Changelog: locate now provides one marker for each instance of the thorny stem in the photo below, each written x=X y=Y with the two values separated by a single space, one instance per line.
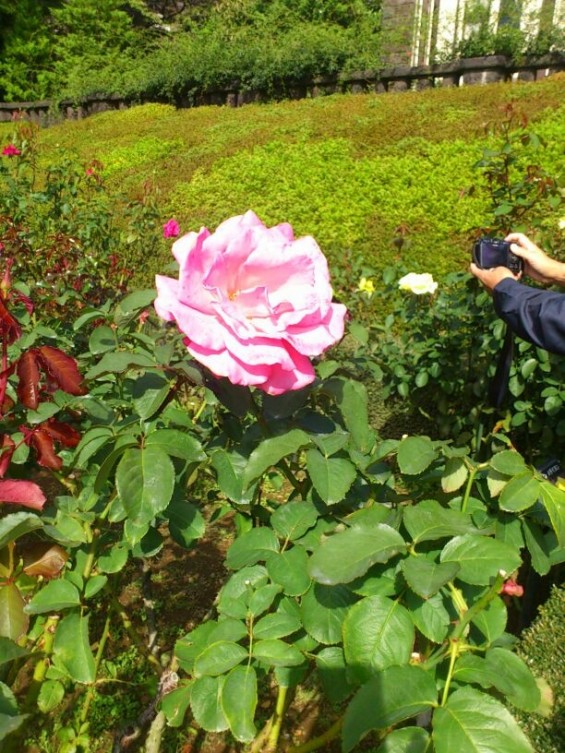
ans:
x=48 y=638
x=132 y=633
x=275 y=730
x=318 y=742
x=99 y=653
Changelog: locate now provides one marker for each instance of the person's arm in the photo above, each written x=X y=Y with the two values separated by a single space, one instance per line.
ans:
x=537 y=316
x=537 y=264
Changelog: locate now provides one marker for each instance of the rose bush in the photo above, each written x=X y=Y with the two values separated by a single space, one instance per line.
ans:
x=254 y=303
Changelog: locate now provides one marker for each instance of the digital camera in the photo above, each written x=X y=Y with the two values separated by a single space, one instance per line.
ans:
x=494 y=252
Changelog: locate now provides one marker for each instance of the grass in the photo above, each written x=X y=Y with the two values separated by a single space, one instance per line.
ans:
x=349 y=169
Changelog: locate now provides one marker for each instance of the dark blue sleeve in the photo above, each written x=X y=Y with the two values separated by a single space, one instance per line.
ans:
x=535 y=315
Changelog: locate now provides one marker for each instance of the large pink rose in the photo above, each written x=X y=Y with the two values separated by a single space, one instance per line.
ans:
x=254 y=303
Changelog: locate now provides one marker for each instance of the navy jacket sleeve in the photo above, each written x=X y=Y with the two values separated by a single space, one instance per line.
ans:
x=535 y=315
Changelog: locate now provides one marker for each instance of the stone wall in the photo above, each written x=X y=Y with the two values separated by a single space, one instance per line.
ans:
x=463 y=72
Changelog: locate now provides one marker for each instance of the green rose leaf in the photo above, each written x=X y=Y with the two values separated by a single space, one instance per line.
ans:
x=429 y=616
x=50 y=696
x=186 y=522
x=71 y=649
x=472 y=721
x=9 y=650
x=426 y=577
x=290 y=570
x=513 y=677
x=292 y=520
x=553 y=500
x=349 y=554
x=377 y=633
x=239 y=700
x=415 y=454
x=178 y=444
x=520 y=493
x=102 y=339
x=218 y=658
x=508 y=462
x=405 y=740
x=206 y=703
x=230 y=467
x=428 y=520
x=276 y=625
x=17 y=524
x=117 y=363
x=323 y=610
x=56 y=595
x=13 y=619
x=271 y=451
x=251 y=547
x=331 y=477
x=149 y=393
x=175 y=704
x=395 y=694
x=145 y=479
x=332 y=670
x=277 y=653
x=454 y=475
x=480 y=558
x=491 y=621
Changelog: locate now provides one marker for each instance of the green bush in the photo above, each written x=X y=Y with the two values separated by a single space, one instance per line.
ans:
x=541 y=647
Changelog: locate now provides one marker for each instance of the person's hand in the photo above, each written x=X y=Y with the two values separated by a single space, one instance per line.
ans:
x=537 y=264
x=491 y=277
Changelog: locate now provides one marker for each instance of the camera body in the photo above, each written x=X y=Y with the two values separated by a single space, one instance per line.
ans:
x=494 y=252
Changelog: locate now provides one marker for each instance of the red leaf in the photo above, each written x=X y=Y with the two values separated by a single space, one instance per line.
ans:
x=7 y=447
x=61 y=432
x=9 y=328
x=20 y=492
x=28 y=374
x=62 y=369
x=42 y=443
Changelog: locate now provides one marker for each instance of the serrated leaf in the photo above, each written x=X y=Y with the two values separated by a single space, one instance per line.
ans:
x=118 y=363
x=9 y=650
x=349 y=554
x=218 y=658
x=230 y=467
x=206 y=703
x=13 y=619
x=290 y=570
x=251 y=547
x=145 y=479
x=149 y=393
x=430 y=616
x=472 y=721
x=102 y=339
x=332 y=670
x=323 y=610
x=332 y=477
x=426 y=577
x=178 y=444
x=520 y=493
x=454 y=475
x=17 y=524
x=271 y=451
x=395 y=694
x=277 y=653
x=71 y=648
x=428 y=520
x=175 y=704
x=239 y=701
x=480 y=558
x=377 y=633
x=186 y=522
x=50 y=696
x=405 y=740
x=276 y=625
x=553 y=500
x=291 y=520
x=415 y=454
x=55 y=596
x=508 y=462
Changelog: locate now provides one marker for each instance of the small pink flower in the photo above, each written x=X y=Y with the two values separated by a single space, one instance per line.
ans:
x=511 y=588
x=11 y=150
x=171 y=229
x=254 y=303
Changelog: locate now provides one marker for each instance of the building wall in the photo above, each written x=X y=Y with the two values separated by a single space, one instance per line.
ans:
x=419 y=31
